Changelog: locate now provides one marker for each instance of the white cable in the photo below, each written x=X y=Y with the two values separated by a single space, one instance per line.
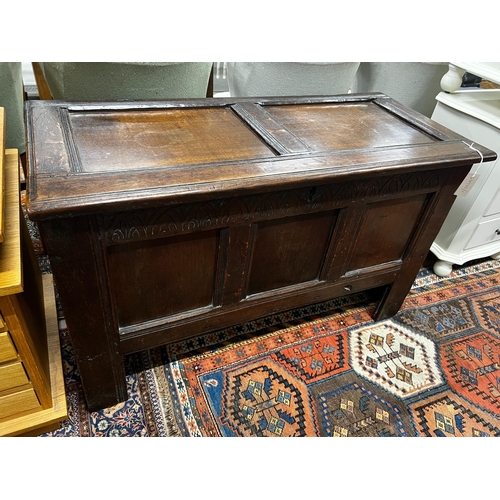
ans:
x=480 y=154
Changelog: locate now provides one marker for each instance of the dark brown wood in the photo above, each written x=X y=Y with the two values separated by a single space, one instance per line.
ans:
x=166 y=220
x=210 y=86
x=186 y=280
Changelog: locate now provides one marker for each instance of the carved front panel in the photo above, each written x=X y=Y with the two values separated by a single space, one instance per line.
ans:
x=289 y=251
x=386 y=231
x=169 y=262
x=158 y=278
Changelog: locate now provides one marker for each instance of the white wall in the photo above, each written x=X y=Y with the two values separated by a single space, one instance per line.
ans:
x=28 y=76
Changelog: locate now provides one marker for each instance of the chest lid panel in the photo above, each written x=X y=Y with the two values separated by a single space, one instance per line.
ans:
x=87 y=157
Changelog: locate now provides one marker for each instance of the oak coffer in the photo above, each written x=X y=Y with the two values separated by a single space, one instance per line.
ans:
x=165 y=220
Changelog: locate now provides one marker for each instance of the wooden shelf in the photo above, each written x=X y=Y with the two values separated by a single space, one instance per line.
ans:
x=44 y=420
x=11 y=279
x=33 y=401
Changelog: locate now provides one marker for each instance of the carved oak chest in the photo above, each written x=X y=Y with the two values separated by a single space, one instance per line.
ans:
x=165 y=220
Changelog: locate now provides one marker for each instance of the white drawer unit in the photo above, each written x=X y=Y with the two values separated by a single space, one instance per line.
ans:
x=486 y=232
x=472 y=228
x=494 y=207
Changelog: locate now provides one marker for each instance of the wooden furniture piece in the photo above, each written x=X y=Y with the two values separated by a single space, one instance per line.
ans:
x=32 y=396
x=166 y=220
x=472 y=228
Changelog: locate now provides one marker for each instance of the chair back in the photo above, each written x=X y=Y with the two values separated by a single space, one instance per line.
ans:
x=12 y=100
x=259 y=79
x=110 y=81
x=414 y=84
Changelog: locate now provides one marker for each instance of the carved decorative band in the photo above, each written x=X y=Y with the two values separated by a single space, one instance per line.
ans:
x=161 y=222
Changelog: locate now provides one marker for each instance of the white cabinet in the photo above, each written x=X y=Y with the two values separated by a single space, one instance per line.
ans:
x=472 y=228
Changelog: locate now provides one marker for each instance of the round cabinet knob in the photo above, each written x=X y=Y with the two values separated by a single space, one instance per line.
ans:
x=497 y=232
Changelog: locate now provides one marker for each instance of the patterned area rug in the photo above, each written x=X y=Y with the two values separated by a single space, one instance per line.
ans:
x=325 y=370
x=432 y=370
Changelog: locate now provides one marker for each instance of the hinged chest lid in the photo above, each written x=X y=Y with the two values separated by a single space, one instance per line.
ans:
x=94 y=157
